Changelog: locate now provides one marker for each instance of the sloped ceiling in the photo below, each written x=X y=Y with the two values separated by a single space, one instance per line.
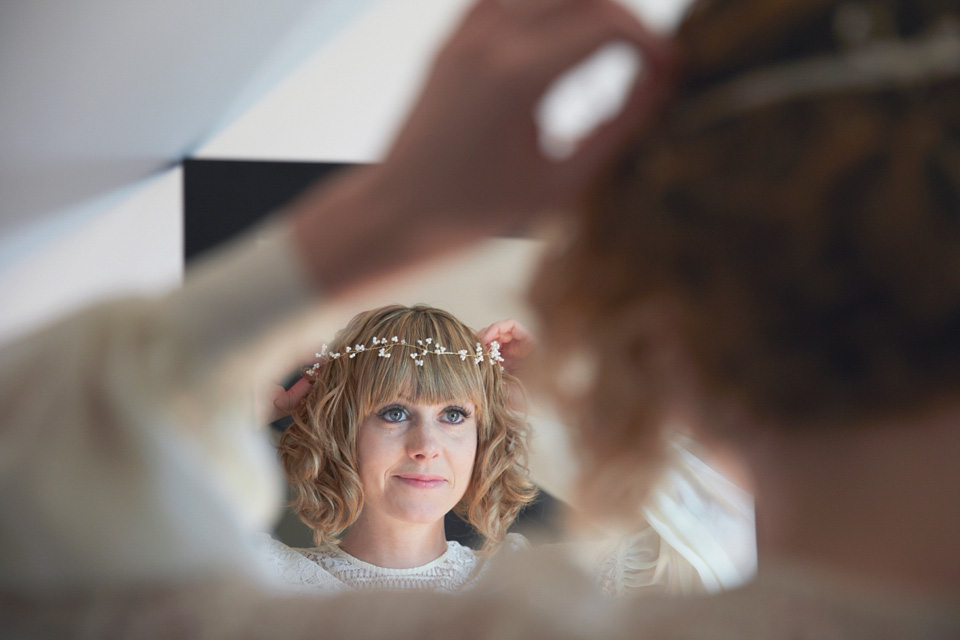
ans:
x=101 y=93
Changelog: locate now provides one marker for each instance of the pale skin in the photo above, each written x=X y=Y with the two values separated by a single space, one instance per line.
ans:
x=873 y=504
x=415 y=463
x=877 y=505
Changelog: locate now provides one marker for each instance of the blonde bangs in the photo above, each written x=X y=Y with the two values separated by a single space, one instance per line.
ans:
x=440 y=379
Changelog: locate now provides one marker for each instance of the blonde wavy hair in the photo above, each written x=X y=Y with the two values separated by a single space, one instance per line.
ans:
x=319 y=450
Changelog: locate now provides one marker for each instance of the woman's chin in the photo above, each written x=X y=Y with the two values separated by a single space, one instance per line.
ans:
x=420 y=513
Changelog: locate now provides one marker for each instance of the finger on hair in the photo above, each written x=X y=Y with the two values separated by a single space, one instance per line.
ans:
x=646 y=98
x=570 y=36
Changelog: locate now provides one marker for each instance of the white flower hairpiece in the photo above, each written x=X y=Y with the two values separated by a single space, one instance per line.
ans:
x=420 y=349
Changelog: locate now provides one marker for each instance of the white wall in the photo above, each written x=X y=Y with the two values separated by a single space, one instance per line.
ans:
x=131 y=244
x=345 y=102
x=342 y=103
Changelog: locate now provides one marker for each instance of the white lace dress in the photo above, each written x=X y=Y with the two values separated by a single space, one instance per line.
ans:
x=330 y=569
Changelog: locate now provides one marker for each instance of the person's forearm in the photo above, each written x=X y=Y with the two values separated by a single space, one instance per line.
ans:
x=104 y=478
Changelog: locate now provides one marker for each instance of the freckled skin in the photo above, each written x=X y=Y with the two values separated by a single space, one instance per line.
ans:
x=416 y=461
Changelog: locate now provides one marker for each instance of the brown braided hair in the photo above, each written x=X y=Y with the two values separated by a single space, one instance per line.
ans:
x=796 y=261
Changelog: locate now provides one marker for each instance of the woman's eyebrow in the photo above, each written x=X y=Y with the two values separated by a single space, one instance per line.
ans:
x=463 y=404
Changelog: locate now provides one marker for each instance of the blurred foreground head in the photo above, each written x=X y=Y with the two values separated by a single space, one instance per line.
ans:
x=782 y=252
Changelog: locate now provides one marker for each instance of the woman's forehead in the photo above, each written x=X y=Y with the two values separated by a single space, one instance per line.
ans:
x=412 y=390
x=419 y=394
x=466 y=403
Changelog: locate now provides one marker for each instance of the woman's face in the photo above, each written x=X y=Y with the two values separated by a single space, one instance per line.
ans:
x=416 y=460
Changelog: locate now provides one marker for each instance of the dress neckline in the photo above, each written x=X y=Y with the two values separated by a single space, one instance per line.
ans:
x=452 y=546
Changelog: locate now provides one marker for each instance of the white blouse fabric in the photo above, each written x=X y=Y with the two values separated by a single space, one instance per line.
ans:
x=330 y=569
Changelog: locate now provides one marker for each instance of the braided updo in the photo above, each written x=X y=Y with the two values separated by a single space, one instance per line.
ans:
x=798 y=236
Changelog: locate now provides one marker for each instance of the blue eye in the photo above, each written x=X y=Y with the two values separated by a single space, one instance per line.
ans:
x=393 y=414
x=454 y=415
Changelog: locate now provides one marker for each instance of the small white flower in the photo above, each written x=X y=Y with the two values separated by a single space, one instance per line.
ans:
x=353 y=355
x=404 y=341
x=429 y=340
x=376 y=340
x=413 y=355
x=348 y=348
x=420 y=363
x=419 y=341
x=395 y=339
x=359 y=347
x=382 y=353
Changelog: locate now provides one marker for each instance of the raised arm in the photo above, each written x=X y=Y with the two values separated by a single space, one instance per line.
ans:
x=120 y=454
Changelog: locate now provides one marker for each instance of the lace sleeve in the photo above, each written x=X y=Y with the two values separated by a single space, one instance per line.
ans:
x=291 y=570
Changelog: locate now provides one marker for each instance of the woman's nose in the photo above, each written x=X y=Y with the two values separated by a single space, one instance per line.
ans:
x=422 y=443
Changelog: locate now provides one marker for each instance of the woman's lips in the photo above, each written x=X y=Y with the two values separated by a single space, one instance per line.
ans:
x=421 y=481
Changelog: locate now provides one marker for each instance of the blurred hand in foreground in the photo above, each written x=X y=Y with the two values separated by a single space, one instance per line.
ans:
x=467 y=162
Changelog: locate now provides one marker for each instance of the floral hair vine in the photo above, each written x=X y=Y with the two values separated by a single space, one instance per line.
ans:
x=421 y=348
